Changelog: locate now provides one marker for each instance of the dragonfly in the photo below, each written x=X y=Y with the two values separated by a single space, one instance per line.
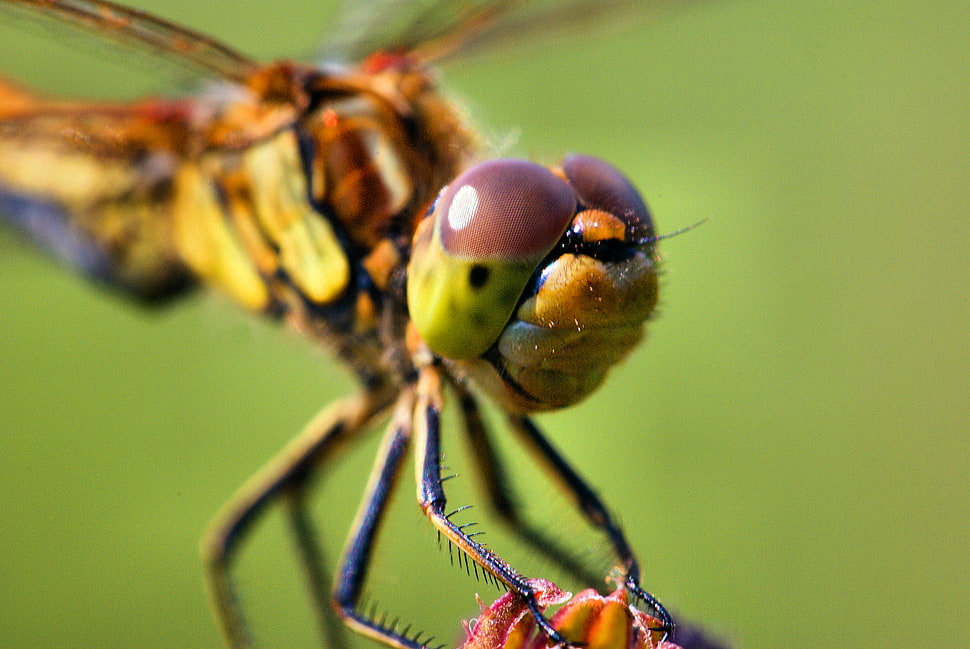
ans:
x=354 y=204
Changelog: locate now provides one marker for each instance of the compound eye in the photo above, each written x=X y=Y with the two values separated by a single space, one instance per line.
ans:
x=601 y=186
x=504 y=210
x=491 y=228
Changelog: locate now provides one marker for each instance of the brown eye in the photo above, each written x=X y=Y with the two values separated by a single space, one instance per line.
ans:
x=504 y=209
x=601 y=186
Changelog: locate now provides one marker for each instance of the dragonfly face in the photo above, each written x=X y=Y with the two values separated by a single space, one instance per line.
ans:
x=347 y=202
x=534 y=282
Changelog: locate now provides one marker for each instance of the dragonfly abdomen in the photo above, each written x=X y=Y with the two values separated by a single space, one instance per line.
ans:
x=102 y=213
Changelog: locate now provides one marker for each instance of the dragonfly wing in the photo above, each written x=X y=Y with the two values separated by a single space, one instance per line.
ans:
x=133 y=31
x=436 y=29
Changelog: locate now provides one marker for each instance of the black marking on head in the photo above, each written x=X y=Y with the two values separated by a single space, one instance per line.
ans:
x=605 y=250
x=478 y=276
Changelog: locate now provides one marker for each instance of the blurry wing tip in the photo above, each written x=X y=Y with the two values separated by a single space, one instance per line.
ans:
x=134 y=30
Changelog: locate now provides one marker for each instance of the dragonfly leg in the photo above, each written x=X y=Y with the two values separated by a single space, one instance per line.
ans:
x=595 y=511
x=318 y=442
x=431 y=497
x=314 y=567
x=356 y=560
x=505 y=503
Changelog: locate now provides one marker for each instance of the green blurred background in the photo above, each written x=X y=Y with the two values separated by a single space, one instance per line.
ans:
x=789 y=452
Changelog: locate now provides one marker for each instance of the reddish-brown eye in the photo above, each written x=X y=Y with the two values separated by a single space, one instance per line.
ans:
x=505 y=210
x=601 y=186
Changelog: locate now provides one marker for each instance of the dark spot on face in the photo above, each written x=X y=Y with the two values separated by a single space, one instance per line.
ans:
x=478 y=276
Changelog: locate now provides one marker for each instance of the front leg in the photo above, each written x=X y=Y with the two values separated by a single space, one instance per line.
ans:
x=494 y=476
x=431 y=497
x=595 y=511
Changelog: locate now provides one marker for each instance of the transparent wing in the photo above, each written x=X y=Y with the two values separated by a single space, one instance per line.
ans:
x=133 y=30
x=437 y=29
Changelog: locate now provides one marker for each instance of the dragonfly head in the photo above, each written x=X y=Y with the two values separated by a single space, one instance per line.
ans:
x=534 y=281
